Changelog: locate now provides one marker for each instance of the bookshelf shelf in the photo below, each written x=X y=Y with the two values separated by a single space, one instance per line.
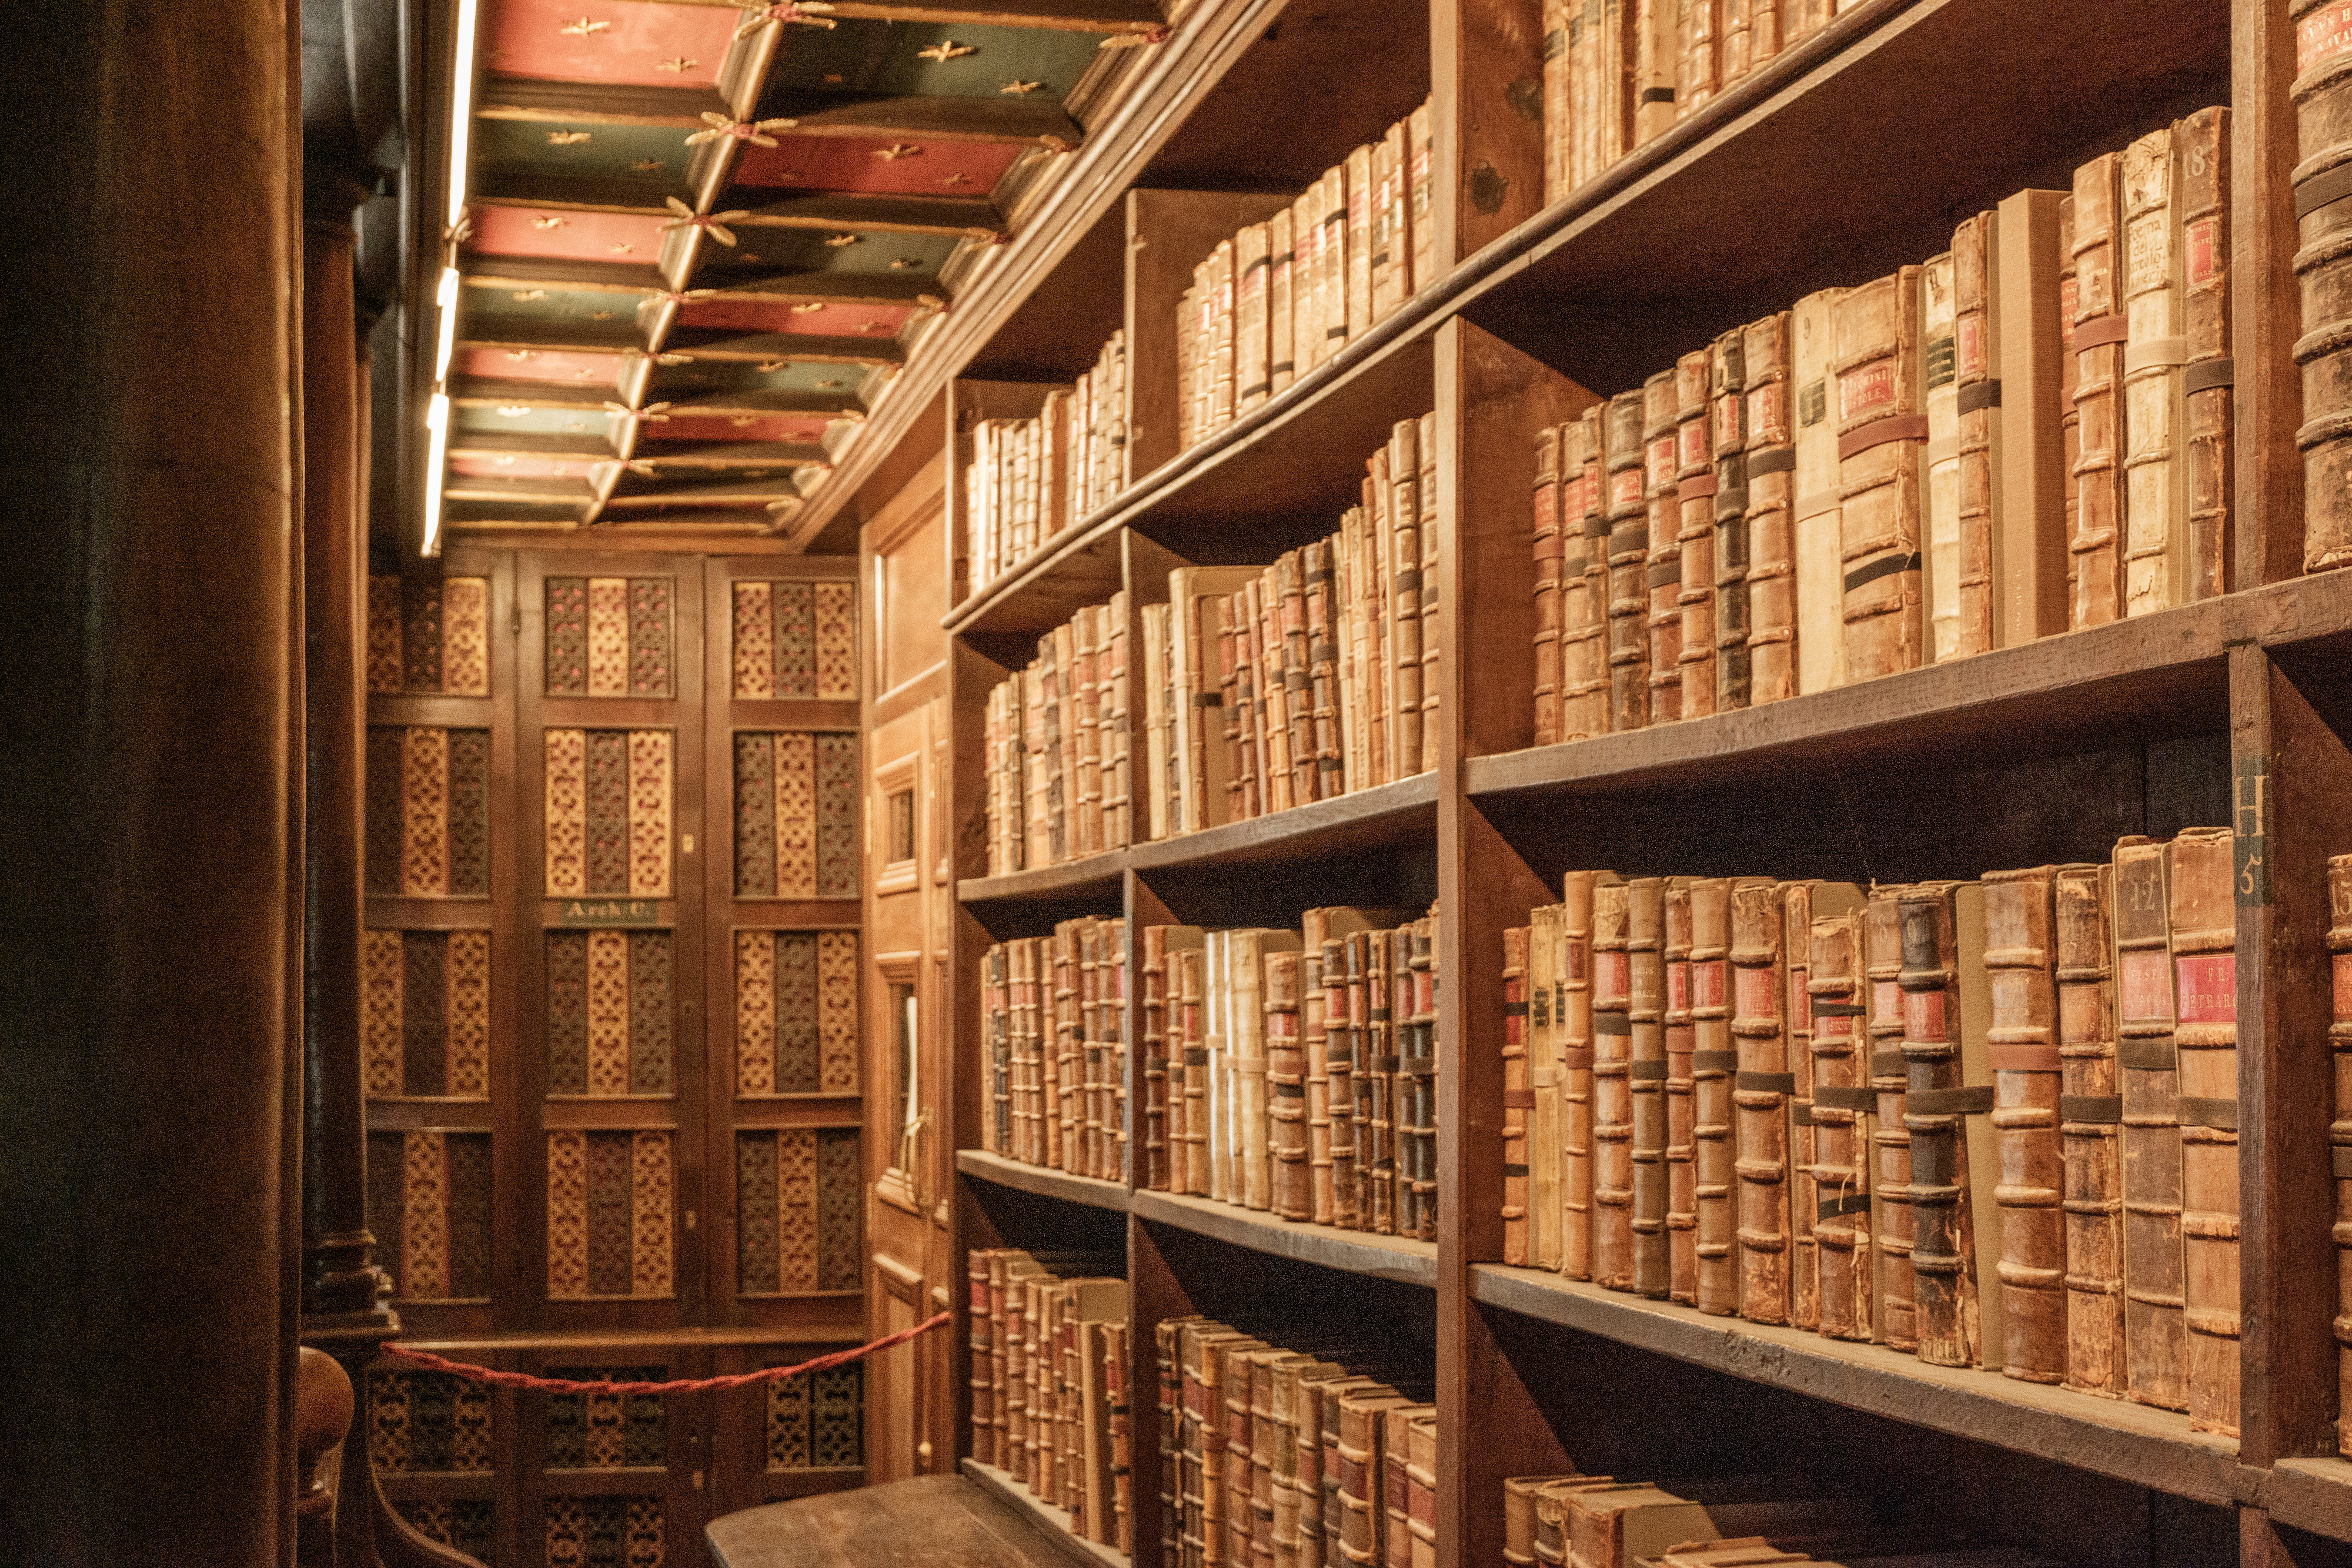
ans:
x=1053 y=1522
x=2313 y=1494
x=1383 y=1257
x=1038 y=1179
x=2131 y=1442
x=1093 y=876
x=1386 y=816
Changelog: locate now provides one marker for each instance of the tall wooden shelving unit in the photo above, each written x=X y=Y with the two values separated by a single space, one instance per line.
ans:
x=1851 y=154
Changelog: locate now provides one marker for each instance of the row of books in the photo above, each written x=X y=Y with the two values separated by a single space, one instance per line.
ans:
x=1321 y=1455
x=1618 y=73
x=1057 y=751
x=1991 y=1122
x=1282 y=297
x=1049 y=1382
x=2028 y=433
x=1030 y=479
x=1295 y=1073
x=2321 y=94
x=1056 y=1023
x=1600 y=1522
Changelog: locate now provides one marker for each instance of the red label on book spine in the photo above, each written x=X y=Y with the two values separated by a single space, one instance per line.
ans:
x=1678 y=996
x=2344 y=985
x=1752 y=993
x=1706 y=984
x=2209 y=988
x=1612 y=974
x=2323 y=36
x=1922 y=1017
x=2146 y=987
x=2203 y=252
x=1625 y=489
x=1866 y=390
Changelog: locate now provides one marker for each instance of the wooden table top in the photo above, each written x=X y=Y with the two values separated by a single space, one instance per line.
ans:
x=938 y=1521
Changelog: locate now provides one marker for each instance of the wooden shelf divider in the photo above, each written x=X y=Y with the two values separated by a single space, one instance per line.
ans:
x=1351 y=1251
x=1042 y=1180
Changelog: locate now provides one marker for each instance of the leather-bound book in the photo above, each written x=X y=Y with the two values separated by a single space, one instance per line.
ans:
x=1087 y=1161
x=1697 y=64
x=2322 y=93
x=983 y=1434
x=1156 y=689
x=1714 y=1063
x=1770 y=469
x=1272 y=1450
x=1584 y=583
x=1396 y=1483
x=2156 y=1340
x=2156 y=515
x=1656 y=64
x=1727 y=425
x=1203 y=762
x=1117 y=684
x=2339 y=1130
x=1612 y=1102
x=1314 y=1063
x=1736 y=39
x=1615 y=56
x=1680 y=1091
x=1316 y=1385
x=2090 y=1115
x=1281 y=1446
x=1796 y=1051
x=1119 y=1425
x=1573 y=1031
x=1881 y=428
x=1625 y=1522
x=1274 y=689
x=1694 y=494
x=1305 y=270
x=2070 y=417
x=2201 y=204
x=1647 y=1074
x=1281 y=294
x=1813 y=507
x=1421 y=1487
x=1059 y=1041
x=1286 y=1073
x=1362 y=1459
x=1362 y=202
x=1559 y=19
x=1842 y=1103
x=1190 y=1002
x=1519 y=1495
x=1629 y=554
x=1760 y=1096
x=2021 y=957
x=1118 y=1122
x=1661 y=583
x=1252 y=360
x=997 y=1002
x=1563 y=602
x=1387 y=245
x=1375 y=1083
x=1935 y=1112
x=1417 y=1067
x=1940 y=460
x=1894 y=1289
x=1404 y=626
x=1517 y=1096
x=1540 y=1151
x=1152 y=1008
x=2205 y=1033
x=1324 y=638
x=1220 y=359
x=1432 y=538
x=2100 y=329
x=1551 y=1514
x=1341 y=1041
x=1977 y=377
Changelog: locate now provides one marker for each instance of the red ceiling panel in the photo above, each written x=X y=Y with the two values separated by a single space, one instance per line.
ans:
x=541 y=365
x=896 y=165
x=877 y=321
x=566 y=235
x=801 y=429
x=621 y=41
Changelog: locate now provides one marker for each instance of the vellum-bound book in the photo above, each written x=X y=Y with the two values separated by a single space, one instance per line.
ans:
x=1543 y=1109
x=1881 y=429
x=1612 y=1102
x=1618 y=1524
x=1945 y=1020
x=1713 y=1061
x=2090 y=1113
x=1842 y=1103
x=2155 y=1338
x=1646 y=1081
x=1573 y=1034
x=1814 y=506
x=2205 y=1032
x=2019 y=960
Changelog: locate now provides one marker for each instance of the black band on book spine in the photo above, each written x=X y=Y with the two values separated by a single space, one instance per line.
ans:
x=1510 y=1170
x=1970 y=1099
x=2105 y=1109
x=1840 y=1010
x=1408 y=581
x=2343 y=1157
x=1657 y=95
x=1715 y=1061
x=1646 y=1070
x=1888 y=1064
x=1282 y=365
x=1980 y=395
x=1772 y=460
x=2204 y=375
x=1826 y=1098
x=1611 y=1023
x=1667 y=572
x=1256 y=388
x=1417 y=1066
x=1291 y=1091
x=1339 y=332
x=1196 y=1056
x=1852 y=1202
x=1208 y=699
x=1266 y=260
x=2322 y=190
x=1515 y=1009
x=2219 y=1115
x=2147 y=1055
x=1330 y=764
x=1765 y=1082
x=1885 y=566
x=1801 y=1114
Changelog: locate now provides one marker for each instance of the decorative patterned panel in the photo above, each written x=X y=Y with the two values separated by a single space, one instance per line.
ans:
x=795 y=1012
x=610 y=1011
x=800 y=1196
x=836 y=1011
x=836 y=642
x=425 y=1014
x=429 y=1206
x=610 y=1204
x=428 y=1421
x=796 y=814
x=796 y=639
x=427 y=812
x=608 y=813
x=469 y=1524
x=610 y=637
x=605 y=1532
x=603 y=1431
x=817 y=1420
x=428 y=637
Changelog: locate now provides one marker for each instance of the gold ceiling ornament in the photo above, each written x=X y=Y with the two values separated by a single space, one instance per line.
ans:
x=812 y=304
x=898 y=150
x=569 y=138
x=838 y=241
x=713 y=223
x=1019 y=88
x=770 y=367
x=600 y=316
x=947 y=50
x=758 y=18
x=648 y=165
x=672 y=358
x=1134 y=40
x=522 y=353
x=585 y=27
x=642 y=466
x=751 y=131
x=525 y=296
x=514 y=410
x=827 y=386
x=875 y=327
x=678 y=63
x=674 y=297
x=957 y=179
x=901 y=263
x=547 y=221
x=740 y=420
x=651 y=413
x=623 y=248
x=504 y=459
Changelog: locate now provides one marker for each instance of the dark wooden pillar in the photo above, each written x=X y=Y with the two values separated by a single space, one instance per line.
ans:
x=146 y=502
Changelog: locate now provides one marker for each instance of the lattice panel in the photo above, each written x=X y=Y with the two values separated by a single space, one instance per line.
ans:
x=427 y=1421
x=428 y=812
x=429 y=1206
x=469 y=1524
x=605 y=1532
x=425 y=1014
x=796 y=814
x=610 y=1201
x=427 y=637
x=795 y=1012
x=817 y=1420
x=606 y=1431
x=608 y=813
x=610 y=637
x=610 y=1010
x=796 y=639
x=800 y=1199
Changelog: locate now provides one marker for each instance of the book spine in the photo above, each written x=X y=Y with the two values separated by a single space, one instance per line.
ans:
x=1813 y=505
x=1280 y=287
x=1662 y=582
x=1939 y=459
x=1171 y=1441
x=1340 y=1037
x=1273 y=708
x=1363 y=197
x=1976 y=384
x=2205 y=1033
x=2100 y=329
x=1190 y=974
x=1118 y=1422
x=1292 y=574
x=2320 y=92
x=1892 y=1225
x=1550 y=552
x=1713 y=1061
x=1088 y=1160
x=1647 y=1074
x=1118 y=1070
x=1378 y=1106
x=1696 y=23
x=1572 y=1023
x=1695 y=497
x=2091 y=1118
x=1117 y=688
x=1285 y=1067
x=1417 y=1079
x=1323 y=643
x=1540 y=1104
x=1843 y=1102
x=1254 y=1134
x=1612 y=1102
x=1365 y=965
x=1727 y=421
x=1656 y=69
x=1420 y=1489
x=1615 y=58
x=1881 y=429
x=1396 y=1502
x=2203 y=148
x=2070 y=417
x=1404 y=579
x=983 y=1434
x=1432 y=539
x=2022 y=964
x=1736 y=44
x=2339 y=1130
x=1683 y=1132
x=1575 y=611
x=1153 y=1007
x=1941 y=1251
x=1585 y=709
x=2155 y=1336
x=1760 y=1095
x=1796 y=1051
x=1517 y=1096
x=1628 y=551
x=1559 y=99
x=2154 y=509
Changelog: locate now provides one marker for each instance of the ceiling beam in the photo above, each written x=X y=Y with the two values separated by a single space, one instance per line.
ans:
x=1120 y=16
x=1042 y=122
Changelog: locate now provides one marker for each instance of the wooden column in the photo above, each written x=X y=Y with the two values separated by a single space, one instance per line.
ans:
x=146 y=492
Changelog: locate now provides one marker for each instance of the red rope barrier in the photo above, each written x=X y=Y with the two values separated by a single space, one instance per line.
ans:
x=683 y=1385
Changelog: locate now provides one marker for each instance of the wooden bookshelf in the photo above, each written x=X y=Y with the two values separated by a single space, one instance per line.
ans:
x=1053 y=1522
x=2150 y=724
